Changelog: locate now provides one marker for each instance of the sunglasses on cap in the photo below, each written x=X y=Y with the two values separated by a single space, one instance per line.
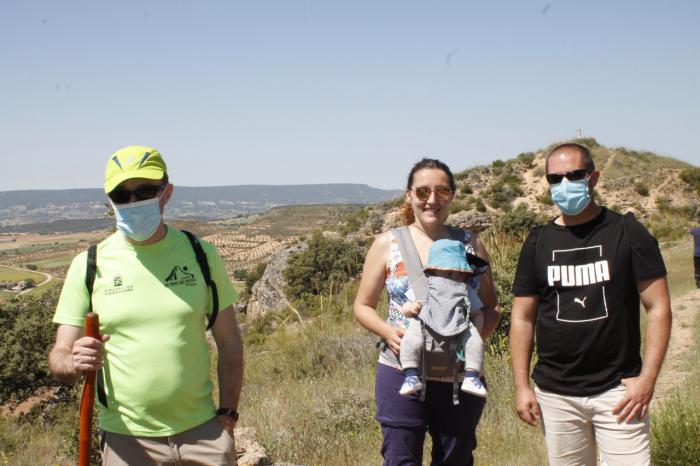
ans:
x=442 y=193
x=141 y=193
x=574 y=175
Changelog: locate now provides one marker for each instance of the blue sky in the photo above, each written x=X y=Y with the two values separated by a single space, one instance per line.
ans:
x=288 y=92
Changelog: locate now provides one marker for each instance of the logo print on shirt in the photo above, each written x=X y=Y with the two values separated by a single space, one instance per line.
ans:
x=118 y=286
x=180 y=276
x=578 y=277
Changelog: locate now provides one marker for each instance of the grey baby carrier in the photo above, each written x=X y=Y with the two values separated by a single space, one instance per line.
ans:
x=439 y=354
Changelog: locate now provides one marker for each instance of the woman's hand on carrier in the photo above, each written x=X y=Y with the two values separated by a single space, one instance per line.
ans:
x=411 y=308
x=392 y=336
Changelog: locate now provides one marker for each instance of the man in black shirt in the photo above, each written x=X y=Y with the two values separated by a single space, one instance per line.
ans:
x=577 y=290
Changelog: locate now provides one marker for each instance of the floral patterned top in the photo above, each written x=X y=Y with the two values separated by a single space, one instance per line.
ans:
x=399 y=290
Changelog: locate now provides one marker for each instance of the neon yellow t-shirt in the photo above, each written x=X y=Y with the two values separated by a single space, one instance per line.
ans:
x=152 y=301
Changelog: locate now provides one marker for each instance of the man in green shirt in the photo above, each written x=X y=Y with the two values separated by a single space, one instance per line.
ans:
x=153 y=304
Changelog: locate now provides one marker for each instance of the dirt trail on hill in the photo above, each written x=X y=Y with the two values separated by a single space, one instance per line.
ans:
x=675 y=368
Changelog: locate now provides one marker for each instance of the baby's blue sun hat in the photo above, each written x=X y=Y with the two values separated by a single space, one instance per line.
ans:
x=451 y=255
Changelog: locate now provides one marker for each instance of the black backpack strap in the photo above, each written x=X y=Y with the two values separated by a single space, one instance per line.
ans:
x=204 y=267
x=90 y=273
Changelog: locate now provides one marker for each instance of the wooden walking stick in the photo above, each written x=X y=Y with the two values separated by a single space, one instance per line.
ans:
x=87 y=399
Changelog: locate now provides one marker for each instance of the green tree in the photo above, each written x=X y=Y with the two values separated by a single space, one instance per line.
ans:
x=324 y=267
x=253 y=277
x=26 y=334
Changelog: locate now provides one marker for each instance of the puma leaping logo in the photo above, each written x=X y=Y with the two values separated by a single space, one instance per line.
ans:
x=582 y=303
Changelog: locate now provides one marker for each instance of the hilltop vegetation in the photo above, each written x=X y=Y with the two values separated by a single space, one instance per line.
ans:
x=661 y=191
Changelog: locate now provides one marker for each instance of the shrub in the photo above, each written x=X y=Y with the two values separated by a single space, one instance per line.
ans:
x=591 y=143
x=253 y=277
x=458 y=206
x=498 y=163
x=519 y=221
x=479 y=205
x=31 y=267
x=501 y=193
x=526 y=158
x=26 y=333
x=466 y=189
x=376 y=223
x=463 y=175
x=504 y=250
x=545 y=198
x=692 y=177
x=666 y=207
x=324 y=267
x=675 y=433
x=240 y=274
x=353 y=221
x=641 y=188
x=663 y=203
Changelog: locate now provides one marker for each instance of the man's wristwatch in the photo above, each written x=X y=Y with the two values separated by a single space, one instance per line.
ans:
x=232 y=413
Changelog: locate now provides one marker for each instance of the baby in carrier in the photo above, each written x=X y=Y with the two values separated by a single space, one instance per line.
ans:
x=450 y=308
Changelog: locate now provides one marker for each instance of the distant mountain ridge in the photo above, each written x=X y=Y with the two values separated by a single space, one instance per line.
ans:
x=204 y=203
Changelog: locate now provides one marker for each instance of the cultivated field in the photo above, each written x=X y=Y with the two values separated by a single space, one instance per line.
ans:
x=242 y=242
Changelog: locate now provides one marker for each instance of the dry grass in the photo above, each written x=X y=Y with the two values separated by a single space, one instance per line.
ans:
x=503 y=438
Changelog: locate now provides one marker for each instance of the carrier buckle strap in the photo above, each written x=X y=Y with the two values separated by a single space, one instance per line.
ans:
x=455 y=379
x=423 y=362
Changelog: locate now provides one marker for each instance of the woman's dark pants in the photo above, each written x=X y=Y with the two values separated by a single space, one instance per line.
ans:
x=405 y=419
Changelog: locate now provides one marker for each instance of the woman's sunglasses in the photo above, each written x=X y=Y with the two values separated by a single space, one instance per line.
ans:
x=442 y=193
x=574 y=175
x=141 y=193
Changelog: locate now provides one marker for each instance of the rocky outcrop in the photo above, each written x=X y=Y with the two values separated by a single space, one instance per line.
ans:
x=268 y=293
x=249 y=452
x=471 y=220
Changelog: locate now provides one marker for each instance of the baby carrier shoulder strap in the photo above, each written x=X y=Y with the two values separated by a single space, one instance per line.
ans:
x=411 y=260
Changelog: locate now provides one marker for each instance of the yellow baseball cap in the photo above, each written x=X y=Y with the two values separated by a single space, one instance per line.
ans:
x=133 y=162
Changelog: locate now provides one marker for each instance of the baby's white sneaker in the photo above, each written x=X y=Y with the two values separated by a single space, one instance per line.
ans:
x=474 y=386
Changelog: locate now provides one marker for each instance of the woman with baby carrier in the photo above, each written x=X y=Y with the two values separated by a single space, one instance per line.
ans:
x=424 y=398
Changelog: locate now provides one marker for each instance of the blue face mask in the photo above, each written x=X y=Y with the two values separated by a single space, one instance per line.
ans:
x=138 y=220
x=572 y=197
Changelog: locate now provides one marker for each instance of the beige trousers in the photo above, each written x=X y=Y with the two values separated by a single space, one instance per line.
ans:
x=205 y=445
x=575 y=425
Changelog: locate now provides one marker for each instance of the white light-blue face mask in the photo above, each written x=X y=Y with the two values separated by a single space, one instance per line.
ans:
x=138 y=220
x=572 y=197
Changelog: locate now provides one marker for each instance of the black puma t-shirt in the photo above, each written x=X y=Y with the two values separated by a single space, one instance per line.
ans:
x=585 y=276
